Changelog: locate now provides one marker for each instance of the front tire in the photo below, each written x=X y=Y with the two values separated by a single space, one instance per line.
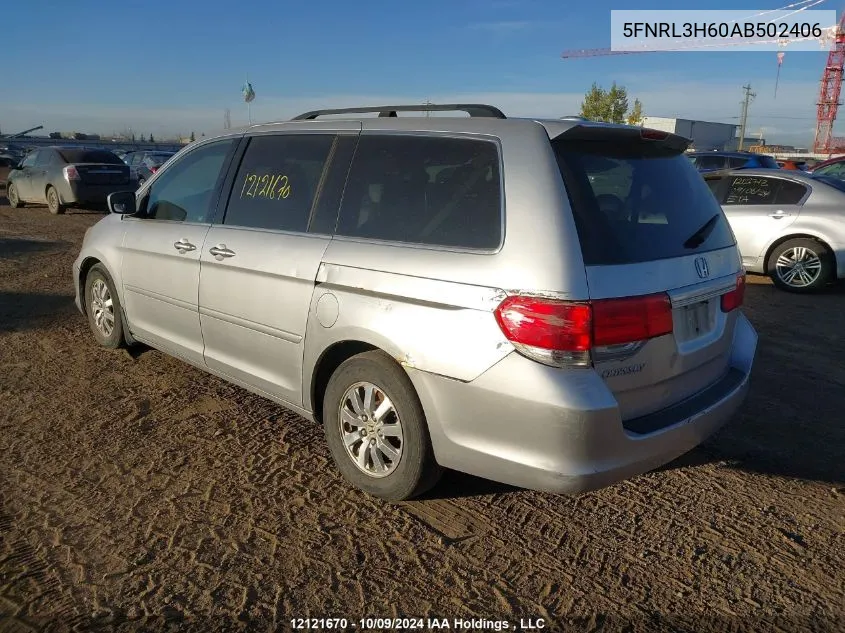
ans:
x=801 y=265
x=102 y=306
x=12 y=196
x=376 y=429
x=54 y=203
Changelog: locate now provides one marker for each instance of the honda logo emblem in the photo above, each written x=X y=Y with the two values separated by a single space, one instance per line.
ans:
x=702 y=268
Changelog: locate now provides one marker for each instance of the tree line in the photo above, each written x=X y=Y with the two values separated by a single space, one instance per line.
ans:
x=611 y=106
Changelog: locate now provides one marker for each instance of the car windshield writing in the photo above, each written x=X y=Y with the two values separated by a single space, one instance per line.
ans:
x=750 y=190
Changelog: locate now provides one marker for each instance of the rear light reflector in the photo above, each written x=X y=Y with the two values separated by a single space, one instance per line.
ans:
x=733 y=299
x=71 y=173
x=618 y=321
x=559 y=333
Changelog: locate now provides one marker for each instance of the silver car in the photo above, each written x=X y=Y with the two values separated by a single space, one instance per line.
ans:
x=551 y=304
x=789 y=225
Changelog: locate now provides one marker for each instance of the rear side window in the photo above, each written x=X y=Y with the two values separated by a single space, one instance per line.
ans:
x=429 y=190
x=634 y=202
x=89 y=156
x=278 y=180
x=757 y=190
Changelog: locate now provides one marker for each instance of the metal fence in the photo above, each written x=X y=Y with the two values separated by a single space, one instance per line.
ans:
x=41 y=141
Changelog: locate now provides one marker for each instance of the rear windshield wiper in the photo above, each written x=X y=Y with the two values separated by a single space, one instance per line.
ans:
x=700 y=236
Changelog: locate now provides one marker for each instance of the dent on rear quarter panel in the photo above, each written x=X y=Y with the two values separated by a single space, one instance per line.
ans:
x=435 y=326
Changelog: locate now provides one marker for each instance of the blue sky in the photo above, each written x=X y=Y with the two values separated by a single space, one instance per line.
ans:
x=173 y=67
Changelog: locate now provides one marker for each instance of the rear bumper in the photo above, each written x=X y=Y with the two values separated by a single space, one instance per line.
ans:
x=560 y=431
x=81 y=193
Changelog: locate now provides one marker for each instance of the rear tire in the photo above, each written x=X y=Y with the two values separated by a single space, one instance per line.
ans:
x=801 y=265
x=54 y=203
x=398 y=461
x=12 y=196
x=105 y=316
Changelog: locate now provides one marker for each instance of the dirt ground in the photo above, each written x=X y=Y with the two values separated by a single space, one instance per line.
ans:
x=137 y=493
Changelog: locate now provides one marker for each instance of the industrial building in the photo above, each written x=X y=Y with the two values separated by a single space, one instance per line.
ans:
x=705 y=135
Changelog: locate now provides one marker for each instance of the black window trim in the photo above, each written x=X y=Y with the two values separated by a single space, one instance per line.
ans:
x=143 y=191
x=472 y=136
x=808 y=190
x=224 y=199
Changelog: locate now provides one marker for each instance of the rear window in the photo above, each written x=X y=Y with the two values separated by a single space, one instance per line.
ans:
x=89 y=156
x=635 y=202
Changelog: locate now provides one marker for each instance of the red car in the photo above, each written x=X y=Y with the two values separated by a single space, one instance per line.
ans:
x=832 y=167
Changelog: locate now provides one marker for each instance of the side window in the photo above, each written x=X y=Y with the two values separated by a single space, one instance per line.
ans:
x=752 y=190
x=424 y=189
x=30 y=159
x=278 y=181
x=790 y=192
x=185 y=190
x=44 y=157
x=735 y=162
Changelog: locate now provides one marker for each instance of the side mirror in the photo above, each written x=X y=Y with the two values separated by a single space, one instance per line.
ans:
x=122 y=202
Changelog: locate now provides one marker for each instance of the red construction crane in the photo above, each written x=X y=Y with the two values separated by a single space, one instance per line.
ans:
x=829 y=94
x=831 y=87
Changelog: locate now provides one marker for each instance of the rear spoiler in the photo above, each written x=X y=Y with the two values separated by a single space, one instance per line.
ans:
x=602 y=132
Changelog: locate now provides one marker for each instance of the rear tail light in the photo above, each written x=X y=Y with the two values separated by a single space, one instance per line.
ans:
x=153 y=169
x=71 y=173
x=733 y=299
x=648 y=134
x=563 y=333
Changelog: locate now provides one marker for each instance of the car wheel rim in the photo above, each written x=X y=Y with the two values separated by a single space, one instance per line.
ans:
x=13 y=195
x=102 y=307
x=798 y=267
x=52 y=199
x=371 y=429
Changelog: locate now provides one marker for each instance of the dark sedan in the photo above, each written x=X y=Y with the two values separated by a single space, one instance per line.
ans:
x=64 y=177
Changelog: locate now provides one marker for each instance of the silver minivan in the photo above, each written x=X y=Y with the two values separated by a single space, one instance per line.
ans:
x=552 y=304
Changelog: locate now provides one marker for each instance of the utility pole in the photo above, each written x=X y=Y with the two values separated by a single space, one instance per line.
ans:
x=428 y=112
x=227 y=119
x=744 y=118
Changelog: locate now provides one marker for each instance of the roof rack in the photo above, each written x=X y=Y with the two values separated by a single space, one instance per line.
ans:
x=473 y=109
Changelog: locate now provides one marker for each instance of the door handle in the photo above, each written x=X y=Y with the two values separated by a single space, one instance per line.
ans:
x=778 y=214
x=220 y=251
x=184 y=246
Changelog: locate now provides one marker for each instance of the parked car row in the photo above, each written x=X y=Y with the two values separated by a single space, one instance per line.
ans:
x=63 y=177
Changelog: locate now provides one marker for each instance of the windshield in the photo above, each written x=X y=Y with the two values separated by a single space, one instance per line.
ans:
x=634 y=203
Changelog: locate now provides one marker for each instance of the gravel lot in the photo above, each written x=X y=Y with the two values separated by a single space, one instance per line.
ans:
x=137 y=493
